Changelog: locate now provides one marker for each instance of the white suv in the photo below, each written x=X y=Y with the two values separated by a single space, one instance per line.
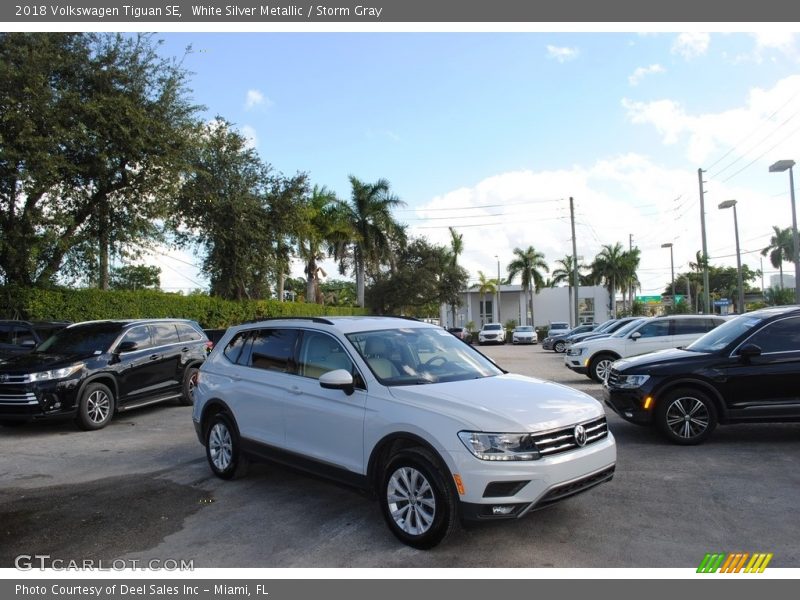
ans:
x=342 y=397
x=594 y=357
x=493 y=333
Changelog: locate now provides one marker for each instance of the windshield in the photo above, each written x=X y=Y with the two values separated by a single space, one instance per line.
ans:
x=420 y=355
x=85 y=340
x=625 y=329
x=605 y=325
x=492 y=327
x=524 y=328
x=719 y=337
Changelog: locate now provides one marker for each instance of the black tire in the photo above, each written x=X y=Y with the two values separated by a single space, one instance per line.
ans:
x=189 y=383
x=559 y=347
x=223 y=449
x=95 y=407
x=599 y=366
x=432 y=511
x=686 y=416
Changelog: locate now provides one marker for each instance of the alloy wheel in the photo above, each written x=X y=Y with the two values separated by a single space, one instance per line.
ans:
x=412 y=504
x=220 y=446
x=98 y=406
x=687 y=417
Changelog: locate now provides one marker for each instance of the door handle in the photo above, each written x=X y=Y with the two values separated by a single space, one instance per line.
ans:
x=154 y=356
x=295 y=390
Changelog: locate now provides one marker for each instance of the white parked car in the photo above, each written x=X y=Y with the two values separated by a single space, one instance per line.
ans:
x=492 y=333
x=594 y=357
x=342 y=397
x=524 y=334
x=557 y=328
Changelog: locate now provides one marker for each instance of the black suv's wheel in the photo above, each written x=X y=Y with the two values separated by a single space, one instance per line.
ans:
x=417 y=500
x=222 y=448
x=95 y=408
x=600 y=366
x=189 y=384
x=686 y=416
x=559 y=347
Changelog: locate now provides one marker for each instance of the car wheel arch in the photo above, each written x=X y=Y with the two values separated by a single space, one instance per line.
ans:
x=211 y=409
x=698 y=385
x=104 y=379
x=392 y=443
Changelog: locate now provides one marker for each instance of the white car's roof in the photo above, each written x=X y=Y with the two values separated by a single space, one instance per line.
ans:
x=344 y=324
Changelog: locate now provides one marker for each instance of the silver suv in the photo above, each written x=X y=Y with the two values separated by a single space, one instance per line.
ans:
x=403 y=409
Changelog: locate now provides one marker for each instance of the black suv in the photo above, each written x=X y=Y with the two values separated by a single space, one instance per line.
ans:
x=20 y=337
x=90 y=370
x=745 y=370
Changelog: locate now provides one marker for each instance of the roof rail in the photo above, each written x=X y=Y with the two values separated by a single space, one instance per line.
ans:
x=312 y=319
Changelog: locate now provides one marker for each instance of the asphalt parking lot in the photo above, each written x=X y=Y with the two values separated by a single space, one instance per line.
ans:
x=141 y=489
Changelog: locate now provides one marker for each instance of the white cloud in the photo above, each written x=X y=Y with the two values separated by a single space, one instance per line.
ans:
x=690 y=45
x=250 y=136
x=762 y=125
x=562 y=54
x=642 y=72
x=256 y=98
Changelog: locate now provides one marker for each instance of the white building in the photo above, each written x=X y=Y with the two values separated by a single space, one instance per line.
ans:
x=550 y=304
x=788 y=280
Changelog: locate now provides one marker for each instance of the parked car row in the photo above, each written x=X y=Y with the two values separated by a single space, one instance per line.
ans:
x=20 y=337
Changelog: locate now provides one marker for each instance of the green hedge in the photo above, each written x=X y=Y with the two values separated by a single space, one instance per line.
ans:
x=91 y=304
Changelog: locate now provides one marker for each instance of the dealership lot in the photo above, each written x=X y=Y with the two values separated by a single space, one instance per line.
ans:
x=141 y=489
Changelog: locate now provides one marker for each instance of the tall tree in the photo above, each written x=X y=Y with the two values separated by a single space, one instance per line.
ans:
x=565 y=273
x=529 y=265
x=456 y=248
x=485 y=286
x=608 y=267
x=781 y=248
x=629 y=281
x=375 y=230
x=95 y=129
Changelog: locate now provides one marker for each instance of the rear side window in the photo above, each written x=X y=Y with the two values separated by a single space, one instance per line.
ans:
x=273 y=350
x=689 y=326
x=188 y=333
x=779 y=336
x=233 y=351
x=165 y=333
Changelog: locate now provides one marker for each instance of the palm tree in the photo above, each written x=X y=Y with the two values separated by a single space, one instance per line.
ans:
x=566 y=274
x=629 y=281
x=322 y=229
x=608 y=267
x=456 y=248
x=781 y=248
x=485 y=286
x=700 y=263
x=374 y=230
x=528 y=264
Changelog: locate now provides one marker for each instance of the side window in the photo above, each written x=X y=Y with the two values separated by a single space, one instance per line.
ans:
x=188 y=333
x=654 y=329
x=233 y=351
x=139 y=335
x=5 y=334
x=780 y=336
x=165 y=333
x=24 y=336
x=320 y=353
x=273 y=350
x=688 y=326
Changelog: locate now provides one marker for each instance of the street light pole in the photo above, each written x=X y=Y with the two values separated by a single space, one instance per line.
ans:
x=499 y=320
x=778 y=167
x=671 y=269
x=732 y=204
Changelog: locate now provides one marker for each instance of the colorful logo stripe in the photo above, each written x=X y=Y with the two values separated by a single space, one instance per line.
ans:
x=735 y=562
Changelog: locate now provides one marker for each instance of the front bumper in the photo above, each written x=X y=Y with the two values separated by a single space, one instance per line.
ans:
x=629 y=404
x=39 y=401
x=529 y=485
x=576 y=363
x=523 y=340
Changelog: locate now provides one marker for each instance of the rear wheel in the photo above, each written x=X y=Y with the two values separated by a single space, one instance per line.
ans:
x=559 y=347
x=189 y=384
x=95 y=408
x=417 y=500
x=686 y=416
x=600 y=366
x=223 y=448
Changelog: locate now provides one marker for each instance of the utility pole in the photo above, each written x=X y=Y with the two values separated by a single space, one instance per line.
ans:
x=706 y=292
x=630 y=287
x=575 y=279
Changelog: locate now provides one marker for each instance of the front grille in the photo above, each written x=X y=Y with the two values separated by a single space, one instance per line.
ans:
x=567 y=490
x=563 y=440
x=613 y=378
x=8 y=397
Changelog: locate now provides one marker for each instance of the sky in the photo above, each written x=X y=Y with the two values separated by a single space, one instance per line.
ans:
x=491 y=133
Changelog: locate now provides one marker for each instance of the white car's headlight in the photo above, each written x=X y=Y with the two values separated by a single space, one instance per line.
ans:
x=631 y=381
x=500 y=446
x=575 y=351
x=56 y=373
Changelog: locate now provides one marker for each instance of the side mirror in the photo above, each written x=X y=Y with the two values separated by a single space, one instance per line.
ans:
x=748 y=351
x=127 y=347
x=635 y=335
x=339 y=379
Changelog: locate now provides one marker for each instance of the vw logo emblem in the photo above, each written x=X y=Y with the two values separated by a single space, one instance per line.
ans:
x=580 y=435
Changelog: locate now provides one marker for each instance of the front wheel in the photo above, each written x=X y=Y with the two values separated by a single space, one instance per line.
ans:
x=417 y=500
x=686 y=417
x=95 y=408
x=222 y=448
x=600 y=366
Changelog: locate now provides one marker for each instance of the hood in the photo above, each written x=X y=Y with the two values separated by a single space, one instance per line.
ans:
x=644 y=362
x=505 y=403
x=33 y=362
x=582 y=337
